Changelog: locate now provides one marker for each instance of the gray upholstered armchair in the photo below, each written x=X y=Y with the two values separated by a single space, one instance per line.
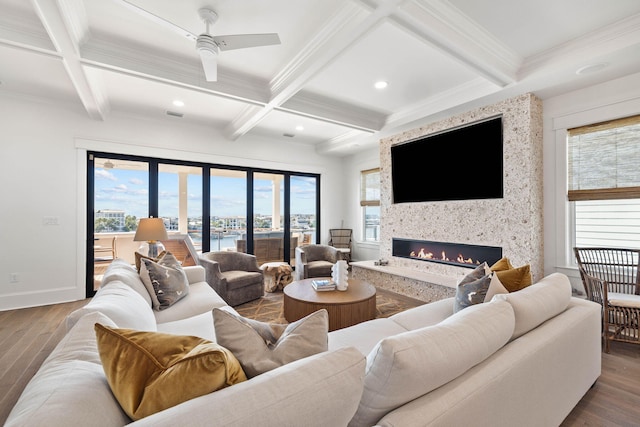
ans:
x=235 y=276
x=315 y=261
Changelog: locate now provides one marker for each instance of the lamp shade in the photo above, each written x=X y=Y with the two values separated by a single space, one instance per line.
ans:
x=150 y=229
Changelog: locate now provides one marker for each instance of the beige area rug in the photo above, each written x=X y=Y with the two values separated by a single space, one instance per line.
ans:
x=269 y=307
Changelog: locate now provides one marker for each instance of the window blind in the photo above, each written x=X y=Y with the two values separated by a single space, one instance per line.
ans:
x=370 y=187
x=604 y=160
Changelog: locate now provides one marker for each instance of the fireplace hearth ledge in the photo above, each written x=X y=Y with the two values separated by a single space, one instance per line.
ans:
x=423 y=276
x=421 y=285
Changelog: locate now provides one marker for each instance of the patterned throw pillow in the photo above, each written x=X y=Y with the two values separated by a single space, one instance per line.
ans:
x=140 y=257
x=261 y=347
x=477 y=287
x=152 y=371
x=165 y=280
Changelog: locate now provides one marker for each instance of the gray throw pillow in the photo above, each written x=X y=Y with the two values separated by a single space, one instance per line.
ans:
x=471 y=293
x=165 y=280
x=261 y=347
x=477 y=287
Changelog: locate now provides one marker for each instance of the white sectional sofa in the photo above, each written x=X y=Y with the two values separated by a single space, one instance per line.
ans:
x=523 y=359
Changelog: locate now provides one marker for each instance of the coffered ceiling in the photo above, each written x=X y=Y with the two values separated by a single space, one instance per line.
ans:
x=316 y=87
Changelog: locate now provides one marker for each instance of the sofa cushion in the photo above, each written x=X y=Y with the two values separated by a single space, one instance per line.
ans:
x=120 y=270
x=120 y=303
x=151 y=371
x=239 y=279
x=165 y=280
x=69 y=384
x=424 y=315
x=201 y=299
x=364 y=336
x=405 y=366
x=261 y=347
x=538 y=302
x=319 y=269
x=317 y=391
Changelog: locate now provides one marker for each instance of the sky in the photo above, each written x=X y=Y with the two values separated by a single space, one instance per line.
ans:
x=127 y=190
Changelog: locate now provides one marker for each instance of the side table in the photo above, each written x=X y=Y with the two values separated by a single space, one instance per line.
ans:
x=277 y=275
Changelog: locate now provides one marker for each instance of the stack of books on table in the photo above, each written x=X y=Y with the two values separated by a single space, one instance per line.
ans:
x=323 y=285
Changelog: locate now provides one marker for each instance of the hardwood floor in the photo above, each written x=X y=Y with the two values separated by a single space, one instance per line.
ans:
x=28 y=335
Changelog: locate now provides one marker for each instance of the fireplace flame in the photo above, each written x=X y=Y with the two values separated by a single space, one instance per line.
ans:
x=443 y=257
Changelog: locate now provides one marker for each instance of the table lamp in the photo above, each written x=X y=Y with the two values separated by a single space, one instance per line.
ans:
x=150 y=231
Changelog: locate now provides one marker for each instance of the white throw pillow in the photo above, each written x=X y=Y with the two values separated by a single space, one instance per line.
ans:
x=406 y=366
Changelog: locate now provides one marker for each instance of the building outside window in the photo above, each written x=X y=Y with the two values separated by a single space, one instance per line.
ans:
x=604 y=183
x=370 y=203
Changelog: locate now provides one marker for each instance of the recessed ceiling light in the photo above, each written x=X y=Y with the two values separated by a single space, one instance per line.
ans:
x=299 y=127
x=591 y=68
x=178 y=103
x=380 y=84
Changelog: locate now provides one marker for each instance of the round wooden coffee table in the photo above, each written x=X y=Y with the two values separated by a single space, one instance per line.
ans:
x=346 y=308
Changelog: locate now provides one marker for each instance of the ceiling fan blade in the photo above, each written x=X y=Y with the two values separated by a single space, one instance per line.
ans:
x=158 y=20
x=209 y=64
x=241 y=41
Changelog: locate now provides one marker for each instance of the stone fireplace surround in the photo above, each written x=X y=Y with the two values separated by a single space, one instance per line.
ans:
x=513 y=223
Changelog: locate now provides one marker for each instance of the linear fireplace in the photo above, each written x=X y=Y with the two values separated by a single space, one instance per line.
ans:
x=460 y=254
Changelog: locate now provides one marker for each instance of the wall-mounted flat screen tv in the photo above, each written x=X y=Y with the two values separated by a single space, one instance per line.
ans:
x=463 y=163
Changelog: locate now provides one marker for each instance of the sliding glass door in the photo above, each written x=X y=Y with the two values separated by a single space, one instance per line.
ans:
x=180 y=200
x=303 y=208
x=268 y=217
x=120 y=199
x=228 y=207
x=219 y=207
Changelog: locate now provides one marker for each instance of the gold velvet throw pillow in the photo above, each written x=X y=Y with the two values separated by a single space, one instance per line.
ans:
x=502 y=264
x=152 y=371
x=513 y=279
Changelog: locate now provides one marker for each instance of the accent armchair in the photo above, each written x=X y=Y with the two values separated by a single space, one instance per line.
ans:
x=315 y=261
x=235 y=276
x=340 y=238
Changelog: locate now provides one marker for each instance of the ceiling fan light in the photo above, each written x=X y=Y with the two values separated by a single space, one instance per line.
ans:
x=208 y=51
x=206 y=43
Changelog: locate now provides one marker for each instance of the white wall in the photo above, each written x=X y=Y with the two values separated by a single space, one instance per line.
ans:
x=43 y=174
x=614 y=99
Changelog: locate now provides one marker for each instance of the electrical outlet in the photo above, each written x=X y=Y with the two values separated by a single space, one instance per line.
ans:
x=14 y=278
x=50 y=220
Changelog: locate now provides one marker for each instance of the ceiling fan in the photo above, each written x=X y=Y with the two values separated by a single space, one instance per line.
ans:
x=208 y=46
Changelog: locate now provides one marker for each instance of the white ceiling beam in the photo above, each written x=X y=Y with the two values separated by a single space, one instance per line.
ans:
x=444 y=27
x=345 y=28
x=611 y=38
x=332 y=111
x=64 y=28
